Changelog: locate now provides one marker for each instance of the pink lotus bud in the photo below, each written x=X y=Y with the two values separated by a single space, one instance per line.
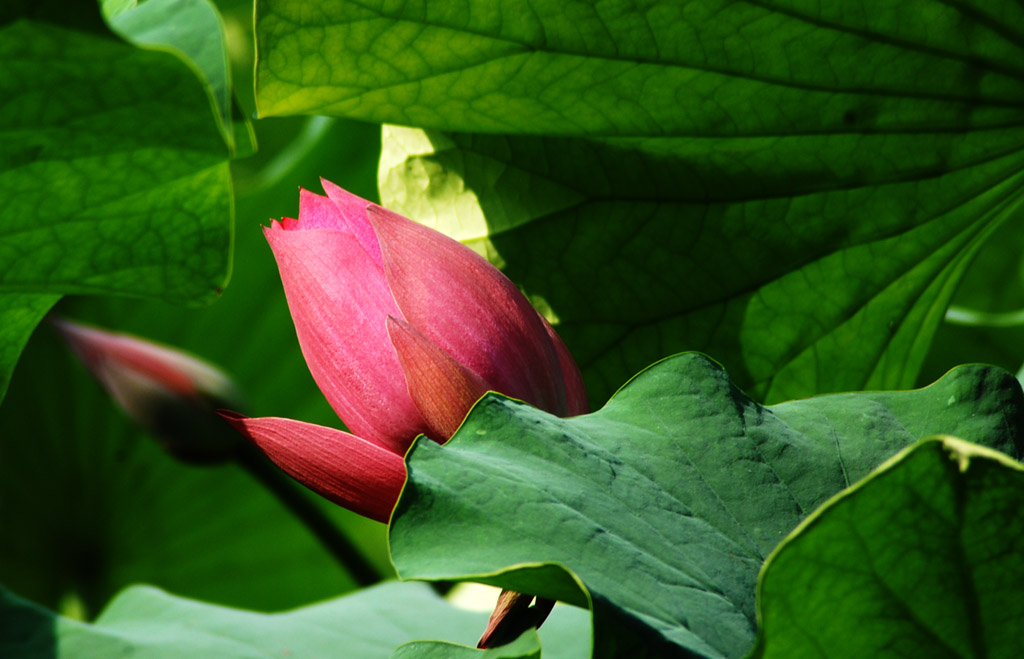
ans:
x=172 y=394
x=403 y=329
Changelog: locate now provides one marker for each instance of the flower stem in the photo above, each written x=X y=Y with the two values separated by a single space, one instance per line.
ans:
x=302 y=506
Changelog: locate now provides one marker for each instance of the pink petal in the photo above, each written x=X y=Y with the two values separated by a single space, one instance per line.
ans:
x=174 y=370
x=319 y=212
x=467 y=307
x=353 y=209
x=339 y=300
x=351 y=472
x=342 y=211
x=443 y=389
x=575 y=390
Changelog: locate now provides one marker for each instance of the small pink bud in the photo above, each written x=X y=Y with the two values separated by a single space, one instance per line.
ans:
x=173 y=394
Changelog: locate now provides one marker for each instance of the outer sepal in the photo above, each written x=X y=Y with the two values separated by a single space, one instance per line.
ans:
x=352 y=472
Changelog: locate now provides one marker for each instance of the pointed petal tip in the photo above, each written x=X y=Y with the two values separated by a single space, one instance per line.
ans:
x=57 y=320
x=306 y=194
x=338 y=193
x=84 y=341
x=68 y=328
x=231 y=416
x=377 y=214
x=352 y=205
x=330 y=187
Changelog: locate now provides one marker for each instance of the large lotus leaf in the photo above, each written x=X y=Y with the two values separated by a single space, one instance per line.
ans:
x=113 y=172
x=664 y=503
x=806 y=264
x=923 y=558
x=147 y=622
x=656 y=68
x=89 y=504
x=794 y=188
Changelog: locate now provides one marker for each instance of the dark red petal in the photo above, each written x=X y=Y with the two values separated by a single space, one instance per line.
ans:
x=443 y=389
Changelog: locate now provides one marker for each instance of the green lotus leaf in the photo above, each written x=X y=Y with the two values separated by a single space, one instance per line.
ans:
x=658 y=510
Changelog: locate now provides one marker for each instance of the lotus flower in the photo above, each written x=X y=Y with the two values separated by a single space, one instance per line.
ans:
x=169 y=392
x=403 y=329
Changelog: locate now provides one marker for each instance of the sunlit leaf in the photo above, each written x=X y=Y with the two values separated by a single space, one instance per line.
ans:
x=113 y=173
x=793 y=188
x=653 y=69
